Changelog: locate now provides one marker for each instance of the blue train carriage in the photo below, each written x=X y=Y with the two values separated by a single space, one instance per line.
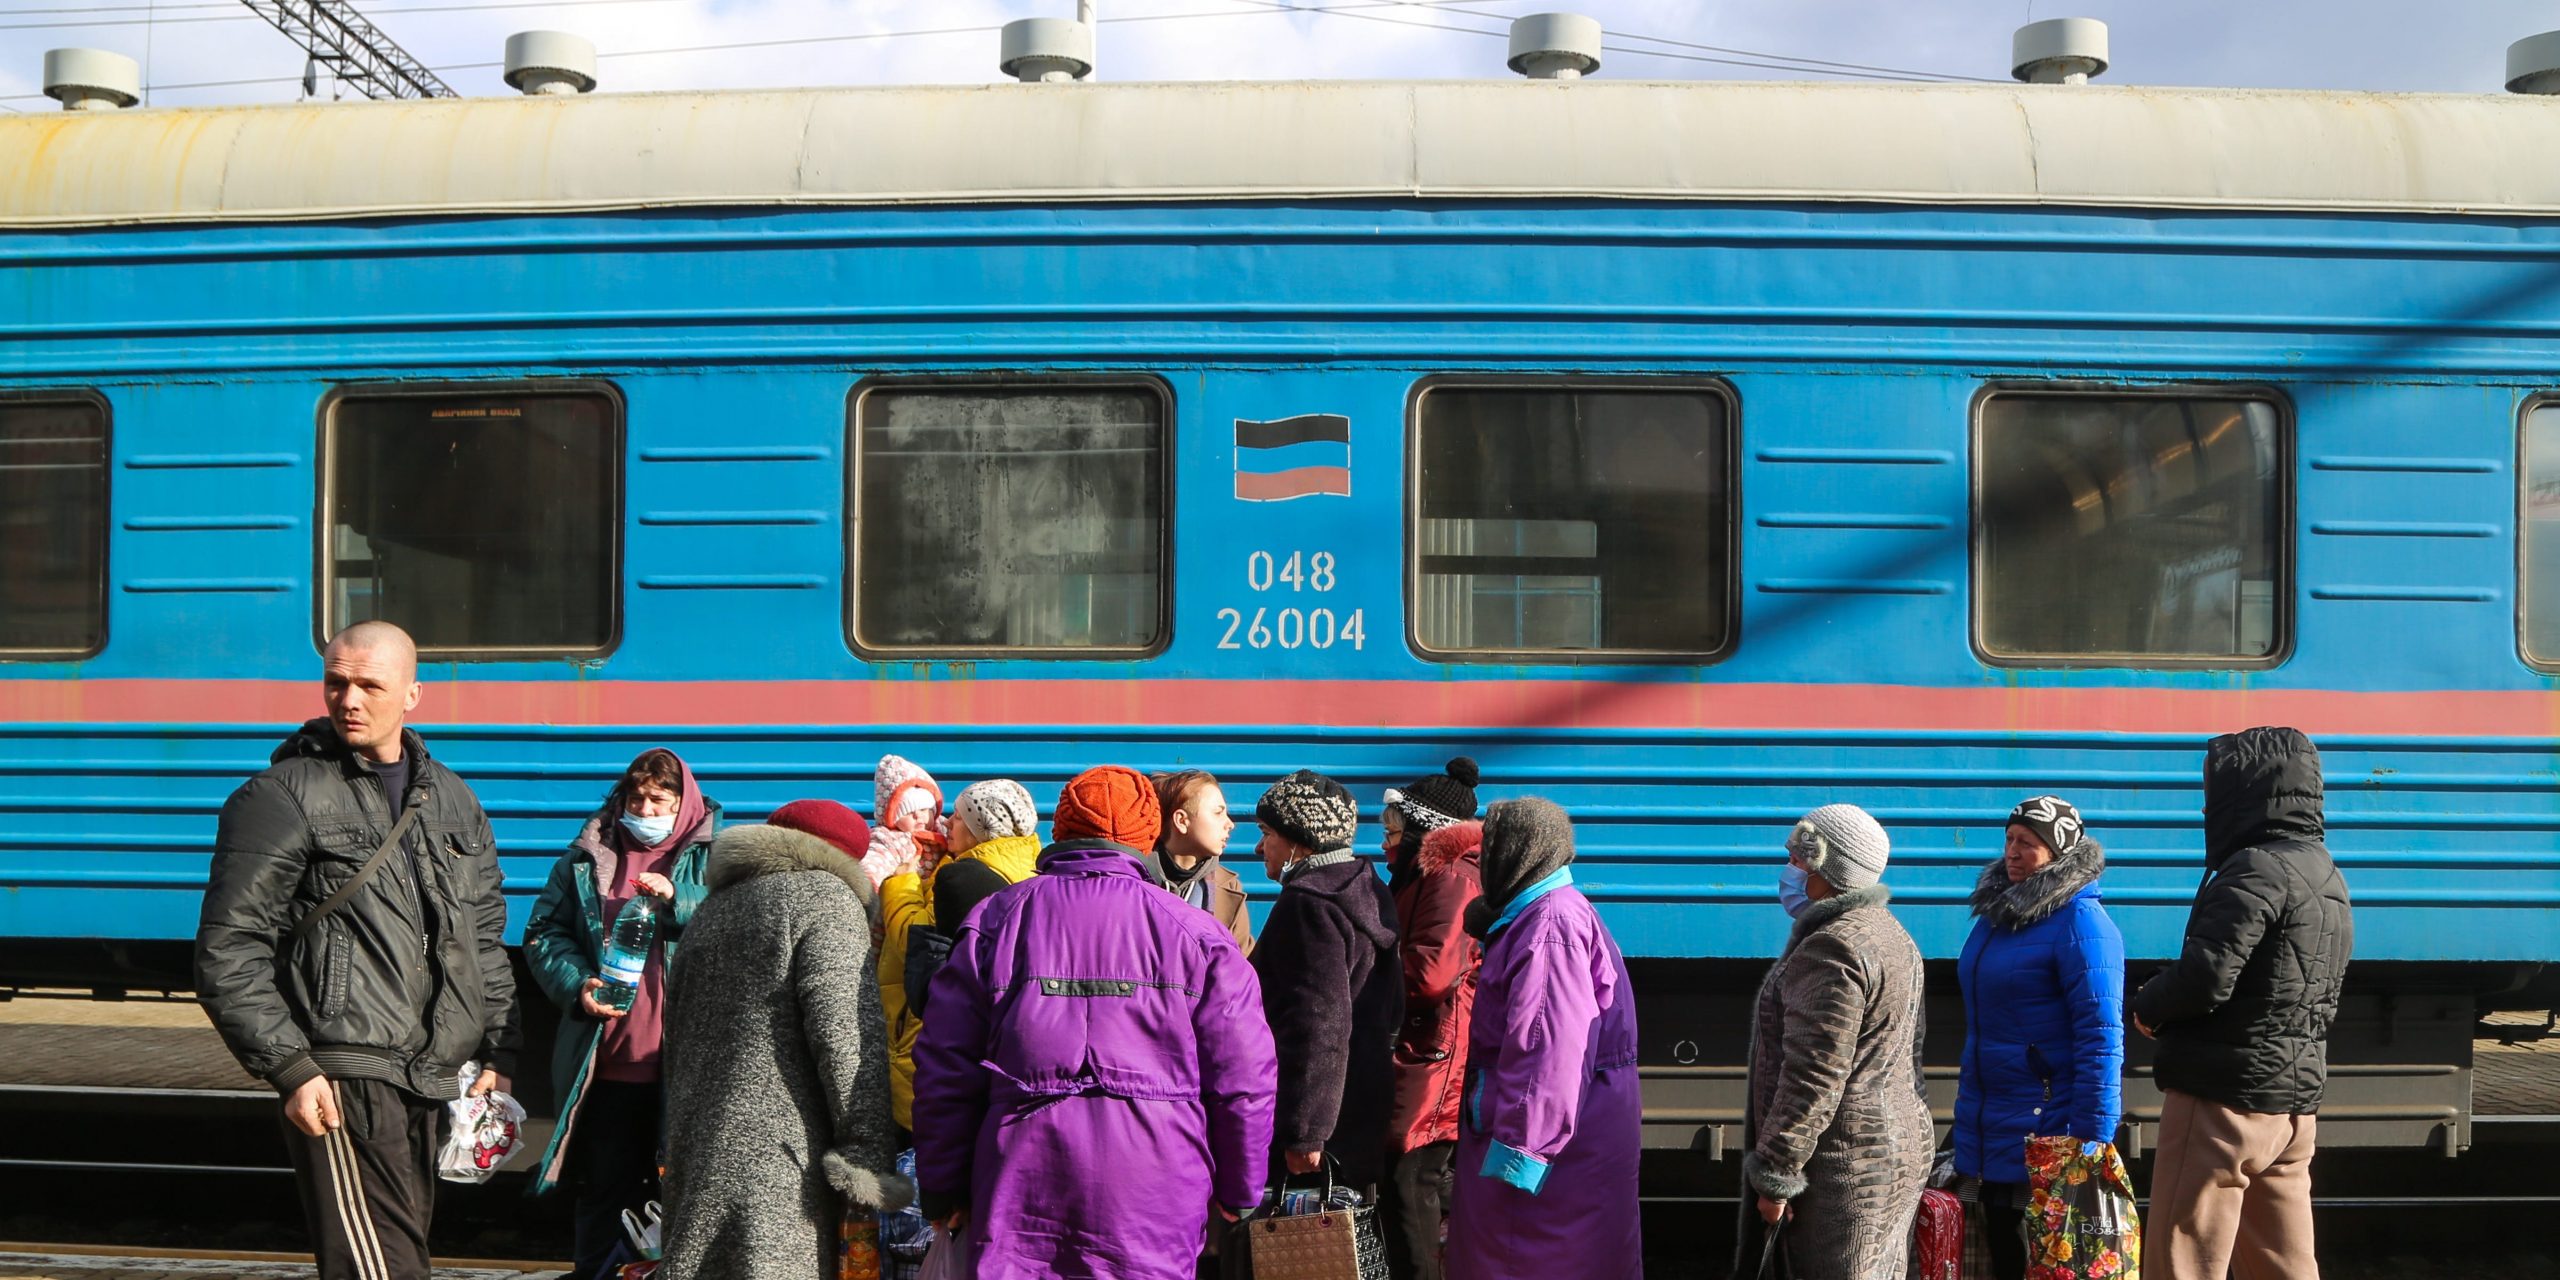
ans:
x=1694 y=454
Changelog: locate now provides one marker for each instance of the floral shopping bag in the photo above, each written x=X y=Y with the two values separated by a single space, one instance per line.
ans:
x=2080 y=1219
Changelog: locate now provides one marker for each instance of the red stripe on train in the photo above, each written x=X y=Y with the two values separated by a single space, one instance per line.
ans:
x=1296 y=482
x=1415 y=704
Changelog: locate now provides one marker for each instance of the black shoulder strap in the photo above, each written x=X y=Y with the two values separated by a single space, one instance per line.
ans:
x=356 y=882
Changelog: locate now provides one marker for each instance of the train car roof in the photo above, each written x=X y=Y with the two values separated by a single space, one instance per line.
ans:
x=1988 y=145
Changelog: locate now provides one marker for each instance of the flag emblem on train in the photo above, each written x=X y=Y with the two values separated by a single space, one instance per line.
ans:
x=1296 y=457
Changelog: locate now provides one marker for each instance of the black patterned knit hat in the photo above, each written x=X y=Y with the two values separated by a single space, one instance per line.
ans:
x=2054 y=821
x=1311 y=809
x=1441 y=800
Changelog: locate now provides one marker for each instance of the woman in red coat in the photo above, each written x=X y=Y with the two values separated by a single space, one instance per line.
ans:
x=1431 y=845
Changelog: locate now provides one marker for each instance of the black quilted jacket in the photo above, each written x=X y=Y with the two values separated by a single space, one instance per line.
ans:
x=2243 y=1016
x=404 y=982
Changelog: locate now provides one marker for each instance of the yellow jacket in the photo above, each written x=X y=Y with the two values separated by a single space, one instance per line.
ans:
x=905 y=901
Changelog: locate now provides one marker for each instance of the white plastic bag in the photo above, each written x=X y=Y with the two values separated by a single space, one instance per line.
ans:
x=480 y=1133
x=949 y=1258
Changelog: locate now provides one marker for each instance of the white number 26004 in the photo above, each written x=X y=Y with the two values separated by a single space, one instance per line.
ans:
x=1290 y=627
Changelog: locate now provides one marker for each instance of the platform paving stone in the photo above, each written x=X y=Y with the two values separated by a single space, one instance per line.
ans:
x=125 y=1044
x=2520 y=1079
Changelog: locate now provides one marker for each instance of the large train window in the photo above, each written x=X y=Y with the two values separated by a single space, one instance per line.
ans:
x=2130 y=528
x=485 y=520
x=1017 y=517
x=53 y=526
x=2538 y=536
x=1578 y=521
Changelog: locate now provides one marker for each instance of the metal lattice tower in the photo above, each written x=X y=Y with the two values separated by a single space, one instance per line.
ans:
x=353 y=49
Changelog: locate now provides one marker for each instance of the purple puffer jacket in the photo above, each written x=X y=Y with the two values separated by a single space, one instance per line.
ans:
x=1093 y=1070
x=1545 y=1174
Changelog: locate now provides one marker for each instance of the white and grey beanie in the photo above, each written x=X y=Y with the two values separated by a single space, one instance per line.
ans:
x=1843 y=844
x=998 y=807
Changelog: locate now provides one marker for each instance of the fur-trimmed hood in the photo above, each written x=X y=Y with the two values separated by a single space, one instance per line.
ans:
x=757 y=849
x=2050 y=889
x=1458 y=842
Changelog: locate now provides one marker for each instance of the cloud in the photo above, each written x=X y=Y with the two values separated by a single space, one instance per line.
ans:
x=2342 y=44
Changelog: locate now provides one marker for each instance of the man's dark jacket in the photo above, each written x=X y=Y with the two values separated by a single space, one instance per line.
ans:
x=1334 y=996
x=2243 y=1016
x=406 y=981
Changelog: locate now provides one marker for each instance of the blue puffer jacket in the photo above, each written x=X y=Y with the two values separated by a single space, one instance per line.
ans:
x=2043 y=980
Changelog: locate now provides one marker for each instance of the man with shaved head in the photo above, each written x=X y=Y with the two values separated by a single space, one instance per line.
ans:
x=352 y=952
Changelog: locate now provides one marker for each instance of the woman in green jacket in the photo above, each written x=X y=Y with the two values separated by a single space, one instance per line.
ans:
x=648 y=840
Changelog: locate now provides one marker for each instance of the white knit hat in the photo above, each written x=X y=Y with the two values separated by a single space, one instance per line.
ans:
x=1843 y=844
x=996 y=808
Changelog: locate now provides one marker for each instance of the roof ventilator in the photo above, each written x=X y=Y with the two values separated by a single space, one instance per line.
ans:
x=1047 y=50
x=2059 y=51
x=2533 y=64
x=1555 y=46
x=548 y=63
x=91 y=79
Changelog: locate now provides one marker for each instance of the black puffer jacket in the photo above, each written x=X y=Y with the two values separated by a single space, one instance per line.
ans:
x=2243 y=1016
x=405 y=982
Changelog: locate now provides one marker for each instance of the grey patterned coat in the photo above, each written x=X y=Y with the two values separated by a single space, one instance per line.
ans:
x=777 y=1067
x=1838 y=1127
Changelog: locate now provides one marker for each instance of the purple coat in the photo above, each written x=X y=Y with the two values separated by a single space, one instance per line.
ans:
x=1552 y=1124
x=1093 y=1070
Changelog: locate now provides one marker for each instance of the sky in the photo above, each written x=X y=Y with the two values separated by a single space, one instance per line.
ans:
x=200 y=52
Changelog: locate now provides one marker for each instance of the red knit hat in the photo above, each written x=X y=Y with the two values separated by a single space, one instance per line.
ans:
x=1109 y=802
x=828 y=821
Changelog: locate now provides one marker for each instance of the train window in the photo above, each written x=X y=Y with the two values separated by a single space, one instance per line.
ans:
x=1015 y=517
x=2538 y=537
x=2130 y=529
x=486 y=521
x=1582 y=522
x=53 y=527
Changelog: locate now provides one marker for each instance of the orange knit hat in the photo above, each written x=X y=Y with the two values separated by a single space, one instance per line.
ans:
x=1108 y=802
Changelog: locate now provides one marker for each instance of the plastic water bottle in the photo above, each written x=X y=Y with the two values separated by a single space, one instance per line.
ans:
x=626 y=953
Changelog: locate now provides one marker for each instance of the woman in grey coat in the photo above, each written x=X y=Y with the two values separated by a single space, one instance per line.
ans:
x=777 y=1064
x=1839 y=1133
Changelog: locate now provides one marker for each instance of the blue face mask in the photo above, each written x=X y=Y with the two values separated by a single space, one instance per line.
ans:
x=649 y=831
x=1791 y=894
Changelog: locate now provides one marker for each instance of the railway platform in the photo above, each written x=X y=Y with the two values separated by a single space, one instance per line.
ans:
x=108 y=1070
x=207 y=1265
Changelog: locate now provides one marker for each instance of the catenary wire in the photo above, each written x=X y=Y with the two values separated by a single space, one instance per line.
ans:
x=1261 y=7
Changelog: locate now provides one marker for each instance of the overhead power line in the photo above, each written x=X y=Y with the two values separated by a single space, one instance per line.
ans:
x=353 y=49
x=1261 y=8
x=244 y=17
x=1749 y=58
